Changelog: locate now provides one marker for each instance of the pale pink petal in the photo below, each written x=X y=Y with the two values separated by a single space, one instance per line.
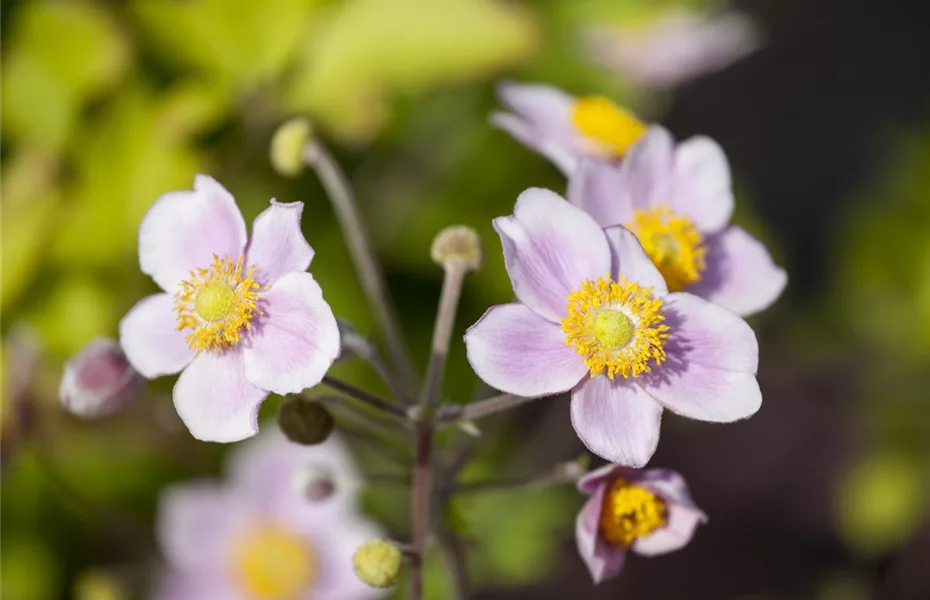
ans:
x=702 y=190
x=214 y=399
x=631 y=261
x=542 y=121
x=740 y=274
x=297 y=339
x=278 y=246
x=270 y=469
x=183 y=230
x=680 y=47
x=616 y=420
x=547 y=108
x=149 y=337
x=516 y=351
x=556 y=148
x=683 y=515
x=604 y=561
x=550 y=248
x=646 y=173
x=197 y=522
x=590 y=482
x=188 y=585
x=710 y=372
x=336 y=539
x=668 y=484
x=596 y=187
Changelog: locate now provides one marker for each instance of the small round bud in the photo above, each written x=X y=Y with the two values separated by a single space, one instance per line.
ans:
x=99 y=381
x=314 y=483
x=288 y=145
x=377 y=563
x=458 y=244
x=305 y=422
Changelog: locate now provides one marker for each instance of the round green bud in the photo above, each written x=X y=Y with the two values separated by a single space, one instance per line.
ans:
x=377 y=563
x=305 y=422
x=288 y=146
x=458 y=244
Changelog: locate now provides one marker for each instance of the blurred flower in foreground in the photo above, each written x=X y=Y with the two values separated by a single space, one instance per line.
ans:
x=99 y=381
x=595 y=317
x=563 y=128
x=678 y=201
x=650 y=512
x=254 y=536
x=677 y=47
x=220 y=291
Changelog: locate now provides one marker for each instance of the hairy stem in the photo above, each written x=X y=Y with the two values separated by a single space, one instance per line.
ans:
x=419 y=506
x=442 y=332
x=369 y=271
x=481 y=408
x=562 y=474
x=376 y=402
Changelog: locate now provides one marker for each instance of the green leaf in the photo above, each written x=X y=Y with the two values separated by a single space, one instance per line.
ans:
x=45 y=84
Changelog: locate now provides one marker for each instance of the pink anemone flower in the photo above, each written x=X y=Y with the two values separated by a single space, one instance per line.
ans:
x=649 y=512
x=256 y=535
x=677 y=199
x=595 y=317
x=238 y=318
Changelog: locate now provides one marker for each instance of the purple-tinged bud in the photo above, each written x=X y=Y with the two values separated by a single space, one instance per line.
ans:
x=99 y=381
x=314 y=483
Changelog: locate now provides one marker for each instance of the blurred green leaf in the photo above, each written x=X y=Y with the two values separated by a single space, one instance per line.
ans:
x=30 y=202
x=28 y=569
x=367 y=50
x=76 y=310
x=236 y=43
x=144 y=135
x=62 y=53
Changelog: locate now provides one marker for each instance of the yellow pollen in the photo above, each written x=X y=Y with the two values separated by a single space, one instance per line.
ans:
x=616 y=326
x=272 y=563
x=610 y=127
x=214 y=300
x=629 y=512
x=613 y=329
x=673 y=243
x=217 y=304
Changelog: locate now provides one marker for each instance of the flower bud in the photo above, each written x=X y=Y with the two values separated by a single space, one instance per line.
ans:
x=305 y=422
x=377 y=563
x=314 y=483
x=288 y=145
x=99 y=381
x=458 y=244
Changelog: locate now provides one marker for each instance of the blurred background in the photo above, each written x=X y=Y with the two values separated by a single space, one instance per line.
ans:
x=821 y=106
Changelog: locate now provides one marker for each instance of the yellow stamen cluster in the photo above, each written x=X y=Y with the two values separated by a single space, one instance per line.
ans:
x=616 y=326
x=629 y=512
x=272 y=563
x=217 y=303
x=673 y=243
x=612 y=129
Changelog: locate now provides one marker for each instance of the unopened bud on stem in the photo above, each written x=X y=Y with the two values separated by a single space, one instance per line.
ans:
x=377 y=563
x=458 y=245
x=305 y=422
x=99 y=381
x=288 y=146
